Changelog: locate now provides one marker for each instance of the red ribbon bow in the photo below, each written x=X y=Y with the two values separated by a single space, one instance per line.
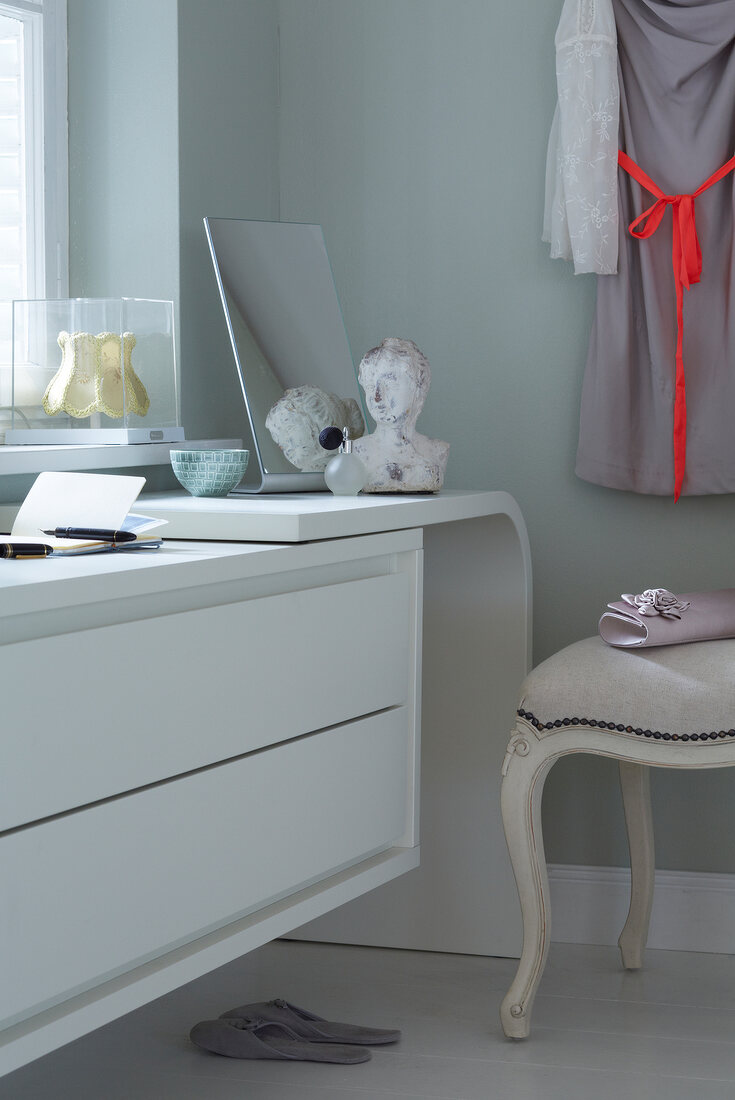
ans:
x=686 y=259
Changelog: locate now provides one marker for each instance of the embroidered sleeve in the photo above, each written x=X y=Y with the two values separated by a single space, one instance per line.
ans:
x=581 y=207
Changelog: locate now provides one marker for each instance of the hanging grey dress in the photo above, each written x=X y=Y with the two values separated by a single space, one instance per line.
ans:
x=676 y=71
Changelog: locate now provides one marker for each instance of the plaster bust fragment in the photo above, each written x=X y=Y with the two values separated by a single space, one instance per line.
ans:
x=396 y=377
x=296 y=419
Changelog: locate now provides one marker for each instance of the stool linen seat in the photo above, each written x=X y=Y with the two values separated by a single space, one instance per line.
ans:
x=667 y=706
x=686 y=691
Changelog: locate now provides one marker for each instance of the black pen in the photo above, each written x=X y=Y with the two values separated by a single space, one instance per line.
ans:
x=25 y=550
x=92 y=533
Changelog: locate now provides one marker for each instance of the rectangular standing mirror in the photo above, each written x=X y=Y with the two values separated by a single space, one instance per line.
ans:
x=290 y=347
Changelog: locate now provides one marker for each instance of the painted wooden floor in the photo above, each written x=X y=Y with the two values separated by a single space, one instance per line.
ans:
x=665 y=1033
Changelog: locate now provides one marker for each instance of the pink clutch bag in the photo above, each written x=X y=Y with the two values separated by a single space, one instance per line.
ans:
x=658 y=617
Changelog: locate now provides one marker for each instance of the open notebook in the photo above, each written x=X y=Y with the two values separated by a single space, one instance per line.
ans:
x=96 y=501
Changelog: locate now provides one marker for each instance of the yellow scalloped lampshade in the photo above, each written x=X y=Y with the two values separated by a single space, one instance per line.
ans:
x=96 y=375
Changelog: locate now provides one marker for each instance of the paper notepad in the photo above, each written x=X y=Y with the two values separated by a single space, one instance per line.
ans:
x=98 y=501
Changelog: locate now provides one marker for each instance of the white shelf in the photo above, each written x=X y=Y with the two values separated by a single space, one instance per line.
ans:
x=31 y=459
x=304 y=517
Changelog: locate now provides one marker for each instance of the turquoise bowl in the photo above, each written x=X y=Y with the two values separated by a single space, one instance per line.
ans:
x=209 y=473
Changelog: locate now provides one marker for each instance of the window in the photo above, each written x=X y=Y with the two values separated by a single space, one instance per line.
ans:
x=33 y=160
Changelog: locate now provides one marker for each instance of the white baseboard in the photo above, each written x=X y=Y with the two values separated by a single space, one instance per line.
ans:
x=691 y=911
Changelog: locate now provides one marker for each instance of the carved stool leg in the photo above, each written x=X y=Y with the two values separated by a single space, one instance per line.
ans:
x=635 y=781
x=523 y=781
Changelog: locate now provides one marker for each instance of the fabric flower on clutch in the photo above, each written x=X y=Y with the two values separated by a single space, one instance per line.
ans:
x=657 y=601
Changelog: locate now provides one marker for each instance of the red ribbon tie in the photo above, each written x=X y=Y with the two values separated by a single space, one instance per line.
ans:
x=686 y=259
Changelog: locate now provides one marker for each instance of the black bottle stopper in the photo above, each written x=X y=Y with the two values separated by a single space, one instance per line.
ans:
x=331 y=438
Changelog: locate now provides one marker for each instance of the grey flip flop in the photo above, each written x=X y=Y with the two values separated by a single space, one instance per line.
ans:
x=255 y=1038
x=315 y=1028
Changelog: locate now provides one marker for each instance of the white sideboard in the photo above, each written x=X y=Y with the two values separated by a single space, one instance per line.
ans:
x=476 y=652
x=202 y=747
x=212 y=745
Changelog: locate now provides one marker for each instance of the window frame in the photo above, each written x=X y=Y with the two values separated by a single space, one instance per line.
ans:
x=47 y=151
x=56 y=149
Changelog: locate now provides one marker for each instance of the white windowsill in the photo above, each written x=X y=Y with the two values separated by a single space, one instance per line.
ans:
x=32 y=458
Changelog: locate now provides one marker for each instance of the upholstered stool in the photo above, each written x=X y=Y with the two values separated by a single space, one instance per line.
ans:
x=670 y=706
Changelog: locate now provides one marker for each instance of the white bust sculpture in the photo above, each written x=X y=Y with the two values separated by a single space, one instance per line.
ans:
x=396 y=377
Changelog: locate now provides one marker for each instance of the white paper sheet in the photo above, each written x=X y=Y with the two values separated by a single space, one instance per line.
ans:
x=60 y=499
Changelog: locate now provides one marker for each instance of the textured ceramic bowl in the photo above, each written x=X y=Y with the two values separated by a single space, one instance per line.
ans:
x=209 y=473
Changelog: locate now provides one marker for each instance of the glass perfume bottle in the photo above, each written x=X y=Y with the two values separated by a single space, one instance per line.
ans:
x=345 y=474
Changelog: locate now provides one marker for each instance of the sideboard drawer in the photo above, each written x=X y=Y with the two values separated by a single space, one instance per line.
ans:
x=128 y=879
x=104 y=711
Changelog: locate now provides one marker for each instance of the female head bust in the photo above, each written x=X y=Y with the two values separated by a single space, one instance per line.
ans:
x=395 y=377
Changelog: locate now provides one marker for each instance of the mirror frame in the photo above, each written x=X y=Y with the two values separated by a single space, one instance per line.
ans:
x=268 y=481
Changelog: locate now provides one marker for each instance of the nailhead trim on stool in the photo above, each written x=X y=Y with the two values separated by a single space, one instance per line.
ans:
x=656 y=734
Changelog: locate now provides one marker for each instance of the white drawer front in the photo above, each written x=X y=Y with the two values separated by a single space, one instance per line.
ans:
x=99 y=890
x=107 y=710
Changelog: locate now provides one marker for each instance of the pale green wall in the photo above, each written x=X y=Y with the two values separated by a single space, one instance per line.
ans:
x=172 y=116
x=228 y=168
x=415 y=131
x=123 y=148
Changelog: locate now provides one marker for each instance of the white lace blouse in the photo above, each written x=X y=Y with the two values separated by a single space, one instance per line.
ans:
x=581 y=206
